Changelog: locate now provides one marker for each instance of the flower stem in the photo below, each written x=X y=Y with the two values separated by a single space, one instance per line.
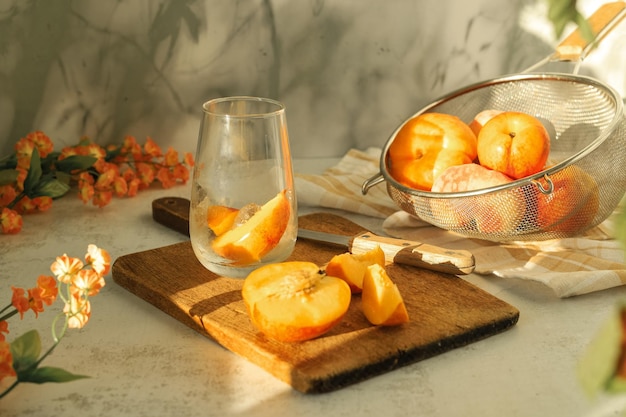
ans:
x=9 y=389
x=16 y=200
x=47 y=353
x=32 y=366
x=56 y=338
x=8 y=315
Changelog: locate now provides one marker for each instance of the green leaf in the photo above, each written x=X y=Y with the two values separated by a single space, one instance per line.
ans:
x=74 y=162
x=585 y=28
x=34 y=173
x=51 y=374
x=25 y=350
x=51 y=187
x=64 y=177
x=112 y=153
x=8 y=176
x=563 y=12
x=84 y=141
x=48 y=162
x=8 y=162
x=616 y=384
x=596 y=367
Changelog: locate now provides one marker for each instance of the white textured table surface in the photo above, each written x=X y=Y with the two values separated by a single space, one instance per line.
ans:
x=144 y=363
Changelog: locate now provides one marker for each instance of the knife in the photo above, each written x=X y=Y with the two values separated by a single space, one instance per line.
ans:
x=173 y=212
x=400 y=251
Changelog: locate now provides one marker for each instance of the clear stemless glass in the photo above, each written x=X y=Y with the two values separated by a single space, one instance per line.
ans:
x=243 y=204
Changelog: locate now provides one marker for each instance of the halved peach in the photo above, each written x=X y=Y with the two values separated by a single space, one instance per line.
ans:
x=221 y=218
x=294 y=301
x=351 y=267
x=382 y=302
x=250 y=241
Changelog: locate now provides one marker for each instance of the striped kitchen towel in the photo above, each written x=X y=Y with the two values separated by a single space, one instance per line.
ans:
x=592 y=262
x=571 y=266
x=339 y=187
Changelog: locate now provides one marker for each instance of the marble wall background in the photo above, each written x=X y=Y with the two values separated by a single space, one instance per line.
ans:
x=349 y=71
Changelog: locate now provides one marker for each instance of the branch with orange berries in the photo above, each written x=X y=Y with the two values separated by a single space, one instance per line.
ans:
x=35 y=175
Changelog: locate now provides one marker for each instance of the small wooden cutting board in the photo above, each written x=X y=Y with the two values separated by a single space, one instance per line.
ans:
x=445 y=312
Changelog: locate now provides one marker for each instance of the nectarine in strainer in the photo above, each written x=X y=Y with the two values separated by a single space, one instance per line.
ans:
x=581 y=186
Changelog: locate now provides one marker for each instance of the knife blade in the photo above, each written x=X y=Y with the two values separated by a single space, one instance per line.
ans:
x=173 y=212
x=401 y=251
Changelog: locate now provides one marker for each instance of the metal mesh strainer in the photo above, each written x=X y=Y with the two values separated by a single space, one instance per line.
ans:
x=583 y=186
x=586 y=178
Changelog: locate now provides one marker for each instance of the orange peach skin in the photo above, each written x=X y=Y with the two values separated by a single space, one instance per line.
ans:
x=428 y=144
x=491 y=213
x=514 y=143
x=572 y=205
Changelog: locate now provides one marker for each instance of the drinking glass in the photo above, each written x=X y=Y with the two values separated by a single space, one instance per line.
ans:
x=243 y=204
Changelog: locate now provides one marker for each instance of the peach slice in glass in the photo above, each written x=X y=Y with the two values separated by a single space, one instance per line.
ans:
x=220 y=219
x=382 y=302
x=250 y=241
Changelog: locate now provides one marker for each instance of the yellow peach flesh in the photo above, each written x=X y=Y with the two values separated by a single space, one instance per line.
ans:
x=351 y=267
x=249 y=242
x=381 y=299
x=294 y=301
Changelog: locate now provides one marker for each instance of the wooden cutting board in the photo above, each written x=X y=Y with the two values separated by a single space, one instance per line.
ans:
x=445 y=312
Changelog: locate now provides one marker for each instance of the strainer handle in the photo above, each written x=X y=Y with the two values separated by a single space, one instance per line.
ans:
x=575 y=47
x=369 y=183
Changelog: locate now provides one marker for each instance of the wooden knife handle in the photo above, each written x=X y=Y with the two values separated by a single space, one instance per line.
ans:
x=417 y=254
x=172 y=212
x=574 y=47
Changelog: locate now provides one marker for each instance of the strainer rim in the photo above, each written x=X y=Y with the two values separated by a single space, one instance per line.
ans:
x=543 y=76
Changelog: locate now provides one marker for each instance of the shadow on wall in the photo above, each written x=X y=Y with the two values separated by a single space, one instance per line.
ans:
x=349 y=71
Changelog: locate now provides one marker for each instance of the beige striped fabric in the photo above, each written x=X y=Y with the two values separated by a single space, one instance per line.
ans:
x=339 y=187
x=570 y=267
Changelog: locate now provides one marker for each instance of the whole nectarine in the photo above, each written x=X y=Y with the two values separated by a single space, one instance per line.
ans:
x=428 y=144
x=572 y=204
x=514 y=143
x=495 y=212
x=468 y=177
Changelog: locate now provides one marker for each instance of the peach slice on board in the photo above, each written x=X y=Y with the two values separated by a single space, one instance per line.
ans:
x=220 y=219
x=294 y=301
x=250 y=241
x=351 y=267
x=382 y=302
